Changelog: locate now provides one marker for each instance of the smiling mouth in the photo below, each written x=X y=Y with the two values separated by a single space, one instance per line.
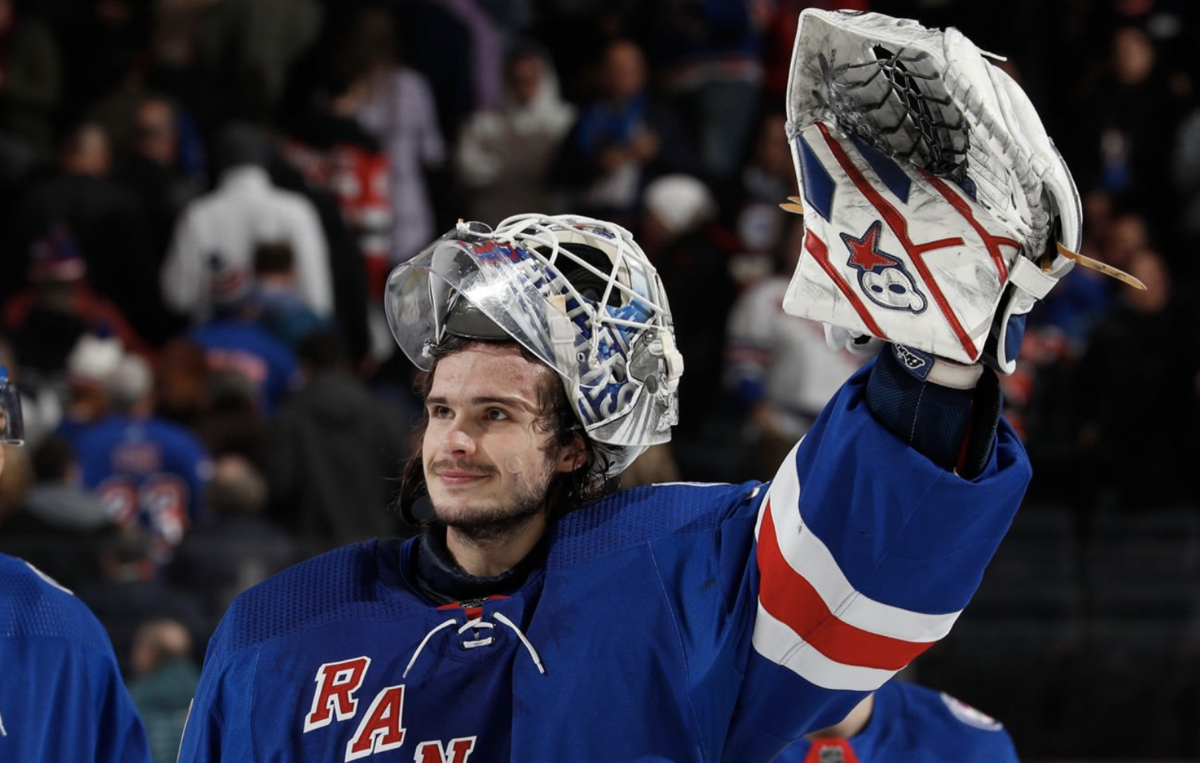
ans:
x=452 y=476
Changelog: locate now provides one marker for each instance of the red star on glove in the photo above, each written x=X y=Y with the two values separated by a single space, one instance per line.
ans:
x=864 y=252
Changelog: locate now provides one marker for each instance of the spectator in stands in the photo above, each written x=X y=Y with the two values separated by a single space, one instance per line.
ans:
x=150 y=473
x=710 y=59
x=30 y=78
x=164 y=678
x=333 y=152
x=504 y=155
x=59 y=525
x=779 y=369
x=1115 y=459
x=237 y=545
x=335 y=451
x=750 y=202
x=217 y=232
x=107 y=222
x=1128 y=119
x=236 y=346
x=150 y=167
x=623 y=138
x=397 y=107
x=1185 y=176
x=181 y=382
x=424 y=31
x=47 y=318
x=676 y=219
x=253 y=42
x=281 y=311
x=129 y=593
x=350 y=269
x=92 y=362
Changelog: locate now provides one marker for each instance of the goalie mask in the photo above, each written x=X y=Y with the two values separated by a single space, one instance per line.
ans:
x=932 y=195
x=12 y=427
x=577 y=293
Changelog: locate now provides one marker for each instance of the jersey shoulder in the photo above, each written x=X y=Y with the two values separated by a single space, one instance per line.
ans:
x=34 y=605
x=338 y=585
x=924 y=700
x=962 y=731
x=644 y=514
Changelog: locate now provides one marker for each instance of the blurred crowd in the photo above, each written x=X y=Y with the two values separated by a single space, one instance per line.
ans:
x=201 y=201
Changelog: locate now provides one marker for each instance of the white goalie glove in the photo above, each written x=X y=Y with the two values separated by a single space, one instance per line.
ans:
x=937 y=211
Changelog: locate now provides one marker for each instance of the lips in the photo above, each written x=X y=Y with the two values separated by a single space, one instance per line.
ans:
x=459 y=473
x=454 y=476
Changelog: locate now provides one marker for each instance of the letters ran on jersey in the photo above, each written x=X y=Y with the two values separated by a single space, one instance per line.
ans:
x=381 y=728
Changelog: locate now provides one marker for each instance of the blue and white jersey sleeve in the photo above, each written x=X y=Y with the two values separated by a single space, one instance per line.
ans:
x=865 y=555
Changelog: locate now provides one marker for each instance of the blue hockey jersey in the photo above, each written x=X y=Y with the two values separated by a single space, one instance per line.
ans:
x=252 y=352
x=667 y=623
x=914 y=724
x=151 y=472
x=61 y=695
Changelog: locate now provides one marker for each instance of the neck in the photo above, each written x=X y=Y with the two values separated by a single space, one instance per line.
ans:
x=499 y=551
x=853 y=724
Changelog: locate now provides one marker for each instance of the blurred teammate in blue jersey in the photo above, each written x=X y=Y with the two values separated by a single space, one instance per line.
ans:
x=903 y=722
x=61 y=695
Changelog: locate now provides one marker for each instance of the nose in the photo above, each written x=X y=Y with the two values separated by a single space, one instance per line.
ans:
x=459 y=441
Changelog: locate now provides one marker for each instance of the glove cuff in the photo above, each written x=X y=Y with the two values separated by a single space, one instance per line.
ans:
x=926 y=367
x=953 y=426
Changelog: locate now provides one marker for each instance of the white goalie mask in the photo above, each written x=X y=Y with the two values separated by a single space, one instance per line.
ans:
x=577 y=293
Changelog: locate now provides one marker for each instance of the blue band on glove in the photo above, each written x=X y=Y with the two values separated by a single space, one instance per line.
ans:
x=918 y=363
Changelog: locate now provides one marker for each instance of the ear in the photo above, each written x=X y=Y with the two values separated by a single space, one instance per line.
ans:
x=572 y=456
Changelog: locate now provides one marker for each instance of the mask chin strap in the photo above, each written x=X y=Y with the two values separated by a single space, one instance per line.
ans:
x=672 y=358
x=562 y=334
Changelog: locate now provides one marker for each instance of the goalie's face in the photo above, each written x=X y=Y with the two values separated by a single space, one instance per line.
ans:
x=488 y=461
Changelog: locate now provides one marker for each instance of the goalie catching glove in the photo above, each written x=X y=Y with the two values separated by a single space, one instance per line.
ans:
x=937 y=211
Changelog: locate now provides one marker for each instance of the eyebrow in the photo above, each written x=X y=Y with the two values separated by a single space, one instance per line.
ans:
x=511 y=402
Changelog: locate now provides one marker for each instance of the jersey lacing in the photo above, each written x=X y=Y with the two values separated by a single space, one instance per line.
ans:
x=477 y=623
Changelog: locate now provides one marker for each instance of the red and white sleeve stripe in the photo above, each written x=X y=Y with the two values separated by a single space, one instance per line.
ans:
x=812 y=621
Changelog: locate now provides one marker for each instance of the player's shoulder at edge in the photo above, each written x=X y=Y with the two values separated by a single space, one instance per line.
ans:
x=953 y=710
x=41 y=606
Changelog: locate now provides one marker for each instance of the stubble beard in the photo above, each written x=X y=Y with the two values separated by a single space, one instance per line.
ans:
x=492 y=524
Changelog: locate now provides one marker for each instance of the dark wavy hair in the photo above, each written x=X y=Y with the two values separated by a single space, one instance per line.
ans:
x=566 y=492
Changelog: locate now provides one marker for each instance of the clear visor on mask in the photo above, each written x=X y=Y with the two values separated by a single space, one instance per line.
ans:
x=12 y=426
x=517 y=290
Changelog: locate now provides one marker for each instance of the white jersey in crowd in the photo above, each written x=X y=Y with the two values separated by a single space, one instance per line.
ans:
x=243 y=211
x=785 y=355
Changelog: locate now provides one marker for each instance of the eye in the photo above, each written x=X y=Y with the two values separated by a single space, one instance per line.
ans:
x=495 y=414
x=440 y=412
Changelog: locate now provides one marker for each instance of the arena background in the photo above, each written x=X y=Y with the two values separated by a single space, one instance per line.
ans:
x=391 y=120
